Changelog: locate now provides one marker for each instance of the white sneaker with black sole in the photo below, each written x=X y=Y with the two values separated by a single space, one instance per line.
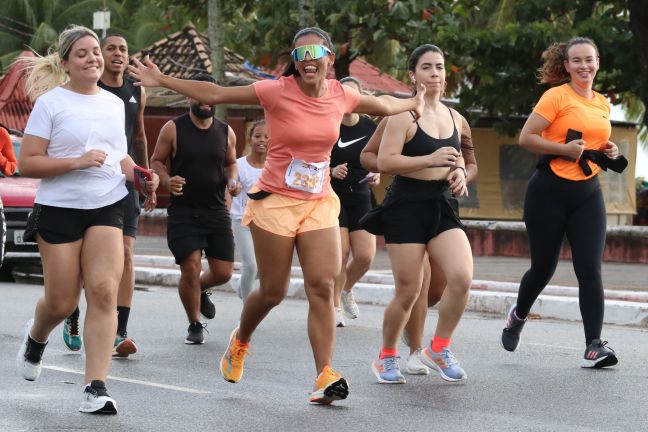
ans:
x=96 y=399
x=29 y=359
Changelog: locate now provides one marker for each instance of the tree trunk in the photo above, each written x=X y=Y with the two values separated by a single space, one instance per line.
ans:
x=216 y=43
x=306 y=13
x=639 y=29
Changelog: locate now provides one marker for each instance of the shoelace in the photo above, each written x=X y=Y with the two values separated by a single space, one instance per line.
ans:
x=73 y=327
x=238 y=354
x=391 y=363
x=603 y=344
x=448 y=357
x=200 y=324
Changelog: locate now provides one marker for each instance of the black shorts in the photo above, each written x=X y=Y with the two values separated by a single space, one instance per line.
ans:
x=353 y=205
x=419 y=221
x=132 y=210
x=58 y=225
x=208 y=230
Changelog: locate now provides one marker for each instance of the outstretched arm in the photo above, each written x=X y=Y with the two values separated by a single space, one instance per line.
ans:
x=147 y=74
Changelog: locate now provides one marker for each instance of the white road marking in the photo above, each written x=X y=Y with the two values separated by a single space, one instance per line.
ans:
x=556 y=346
x=133 y=381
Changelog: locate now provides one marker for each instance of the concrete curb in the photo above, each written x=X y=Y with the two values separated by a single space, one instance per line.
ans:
x=557 y=302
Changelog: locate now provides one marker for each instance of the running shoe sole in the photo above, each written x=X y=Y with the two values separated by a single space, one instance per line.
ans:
x=125 y=348
x=108 y=408
x=606 y=361
x=382 y=380
x=337 y=390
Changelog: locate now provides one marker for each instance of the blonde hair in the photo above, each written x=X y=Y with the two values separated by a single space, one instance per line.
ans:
x=45 y=73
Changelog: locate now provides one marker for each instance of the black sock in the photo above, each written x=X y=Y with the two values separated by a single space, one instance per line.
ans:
x=34 y=351
x=122 y=320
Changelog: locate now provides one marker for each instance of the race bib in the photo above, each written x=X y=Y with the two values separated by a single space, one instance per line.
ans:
x=306 y=176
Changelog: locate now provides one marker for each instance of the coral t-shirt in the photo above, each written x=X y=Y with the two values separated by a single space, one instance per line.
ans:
x=302 y=128
x=565 y=109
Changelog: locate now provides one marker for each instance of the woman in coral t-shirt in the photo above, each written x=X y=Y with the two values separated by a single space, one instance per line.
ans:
x=293 y=205
x=571 y=127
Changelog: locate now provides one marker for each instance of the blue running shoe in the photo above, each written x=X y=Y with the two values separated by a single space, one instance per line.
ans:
x=388 y=371
x=445 y=363
x=71 y=336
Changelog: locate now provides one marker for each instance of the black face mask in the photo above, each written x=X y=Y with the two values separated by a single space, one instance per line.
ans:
x=201 y=112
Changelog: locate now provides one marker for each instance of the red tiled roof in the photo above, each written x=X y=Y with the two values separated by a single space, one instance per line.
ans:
x=15 y=105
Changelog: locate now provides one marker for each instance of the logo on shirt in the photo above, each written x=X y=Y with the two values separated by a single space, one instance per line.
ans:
x=343 y=144
x=132 y=100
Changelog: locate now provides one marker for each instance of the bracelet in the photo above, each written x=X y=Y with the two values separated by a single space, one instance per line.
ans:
x=464 y=171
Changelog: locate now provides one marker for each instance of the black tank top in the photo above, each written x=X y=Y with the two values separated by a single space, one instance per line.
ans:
x=422 y=144
x=132 y=98
x=348 y=148
x=200 y=159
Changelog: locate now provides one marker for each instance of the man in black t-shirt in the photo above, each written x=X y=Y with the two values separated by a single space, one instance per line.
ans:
x=115 y=53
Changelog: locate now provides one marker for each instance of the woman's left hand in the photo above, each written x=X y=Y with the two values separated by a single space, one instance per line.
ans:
x=374 y=180
x=457 y=181
x=420 y=101
x=611 y=151
x=234 y=187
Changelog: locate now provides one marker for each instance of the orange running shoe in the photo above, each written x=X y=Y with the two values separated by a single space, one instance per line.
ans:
x=329 y=386
x=231 y=364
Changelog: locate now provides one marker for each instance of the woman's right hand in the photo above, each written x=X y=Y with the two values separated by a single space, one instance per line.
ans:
x=175 y=185
x=573 y=149
x=339 y=171
x=145 y=73
x=92 y=158
x=444 y=157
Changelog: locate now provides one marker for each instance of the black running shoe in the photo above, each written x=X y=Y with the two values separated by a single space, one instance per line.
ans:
x=96 y=399
x=512 y=330
x=598 y=355
x=195 y=333
x=207 y=308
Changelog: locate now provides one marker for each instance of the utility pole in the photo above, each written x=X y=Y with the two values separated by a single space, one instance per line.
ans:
x=216 y=43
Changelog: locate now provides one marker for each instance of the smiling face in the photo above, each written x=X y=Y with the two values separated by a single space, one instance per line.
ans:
x=430 y=71
x=582 y=64
x=259 y=139
x=85 y=63
x=115 y=54
x=313 y=71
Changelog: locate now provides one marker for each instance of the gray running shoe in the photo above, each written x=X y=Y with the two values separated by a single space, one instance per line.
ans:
x=512 y=330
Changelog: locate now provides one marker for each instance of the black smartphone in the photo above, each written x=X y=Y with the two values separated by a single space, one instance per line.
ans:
x=571 y=136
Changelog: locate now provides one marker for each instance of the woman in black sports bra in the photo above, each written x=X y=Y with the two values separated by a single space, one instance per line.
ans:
x=416 y=216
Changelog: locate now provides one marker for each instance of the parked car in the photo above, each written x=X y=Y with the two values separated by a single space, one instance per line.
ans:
x=21 y=258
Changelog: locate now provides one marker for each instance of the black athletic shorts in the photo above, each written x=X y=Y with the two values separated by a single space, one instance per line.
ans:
x=58 y=225
x=132 y=210
x=353 y=205
x=208 y=230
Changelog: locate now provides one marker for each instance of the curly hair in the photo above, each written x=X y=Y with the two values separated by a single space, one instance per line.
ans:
x=553 y=70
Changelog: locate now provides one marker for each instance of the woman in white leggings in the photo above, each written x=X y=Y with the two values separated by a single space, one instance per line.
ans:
x=249 y=168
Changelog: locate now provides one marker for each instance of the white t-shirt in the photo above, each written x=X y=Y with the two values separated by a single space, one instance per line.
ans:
x=248 y=176
x=75 y=123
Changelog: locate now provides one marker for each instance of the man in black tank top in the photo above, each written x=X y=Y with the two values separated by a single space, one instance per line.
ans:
x=202 y=155
x=114 y=49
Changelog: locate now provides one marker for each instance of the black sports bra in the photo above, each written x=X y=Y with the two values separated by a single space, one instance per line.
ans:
x=422 y=144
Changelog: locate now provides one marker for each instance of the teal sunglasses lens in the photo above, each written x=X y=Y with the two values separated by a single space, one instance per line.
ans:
x=315 y=51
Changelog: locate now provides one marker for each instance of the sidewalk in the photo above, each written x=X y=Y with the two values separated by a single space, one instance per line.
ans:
x=494 y=286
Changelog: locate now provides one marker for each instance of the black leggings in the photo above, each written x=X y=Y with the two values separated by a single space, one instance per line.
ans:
x=555 y=207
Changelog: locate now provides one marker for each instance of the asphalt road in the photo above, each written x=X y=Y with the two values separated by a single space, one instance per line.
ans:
x=169 y=386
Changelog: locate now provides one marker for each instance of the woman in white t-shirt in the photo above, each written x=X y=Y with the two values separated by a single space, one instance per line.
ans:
x=75 y=142
x=249 y=168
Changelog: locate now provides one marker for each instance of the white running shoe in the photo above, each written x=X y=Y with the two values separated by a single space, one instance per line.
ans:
x=339 y=318
x=414 y=364
x=28 y=369
x=349 y=305
x=96 y=399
